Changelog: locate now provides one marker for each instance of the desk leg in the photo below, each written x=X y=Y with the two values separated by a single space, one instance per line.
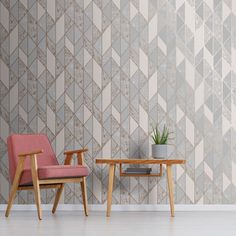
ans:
x=110 y=188
x=170 y=188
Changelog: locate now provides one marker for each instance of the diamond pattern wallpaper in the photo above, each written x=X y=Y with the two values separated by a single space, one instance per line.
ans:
x=100 y=73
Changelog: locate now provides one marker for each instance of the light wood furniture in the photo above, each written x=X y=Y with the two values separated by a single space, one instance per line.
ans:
x=112 y=165
x=46 y=183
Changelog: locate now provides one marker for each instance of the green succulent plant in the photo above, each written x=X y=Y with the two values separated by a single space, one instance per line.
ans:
x=160 y=137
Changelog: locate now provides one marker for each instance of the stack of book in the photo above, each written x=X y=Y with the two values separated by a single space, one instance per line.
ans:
x=138 y=170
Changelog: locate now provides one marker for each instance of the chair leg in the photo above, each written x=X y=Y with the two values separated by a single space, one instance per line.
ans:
x=15 y=185
x=57 y=198
x=84 y=195
x=11 y=199
x=37 y=198
x=35 y=179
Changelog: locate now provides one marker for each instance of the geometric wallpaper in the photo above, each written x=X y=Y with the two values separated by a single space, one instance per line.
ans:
x=100 y=73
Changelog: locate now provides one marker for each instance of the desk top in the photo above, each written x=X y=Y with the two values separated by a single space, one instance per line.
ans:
x=141 y=161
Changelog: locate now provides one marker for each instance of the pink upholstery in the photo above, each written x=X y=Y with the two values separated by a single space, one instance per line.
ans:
x=56 y=172
x=48 y=166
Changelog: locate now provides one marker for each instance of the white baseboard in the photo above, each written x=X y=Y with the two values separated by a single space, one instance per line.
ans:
x=144 y=207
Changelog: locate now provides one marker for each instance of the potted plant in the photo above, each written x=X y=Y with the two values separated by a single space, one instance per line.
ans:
x=161 y=148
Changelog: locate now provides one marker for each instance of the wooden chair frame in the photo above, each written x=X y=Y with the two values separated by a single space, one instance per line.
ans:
x=46 y=183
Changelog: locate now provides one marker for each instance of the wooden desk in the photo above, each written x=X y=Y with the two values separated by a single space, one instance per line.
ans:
x=113 y=162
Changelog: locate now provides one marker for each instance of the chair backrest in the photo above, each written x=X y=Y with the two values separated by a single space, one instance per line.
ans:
x=23 y=143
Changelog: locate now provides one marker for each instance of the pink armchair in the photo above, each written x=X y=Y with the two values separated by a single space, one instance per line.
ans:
x=33 y=165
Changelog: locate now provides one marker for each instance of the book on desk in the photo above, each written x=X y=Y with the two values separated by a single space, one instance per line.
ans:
x=138 y=170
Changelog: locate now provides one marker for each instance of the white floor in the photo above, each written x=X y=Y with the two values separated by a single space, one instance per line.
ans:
x=120 y=223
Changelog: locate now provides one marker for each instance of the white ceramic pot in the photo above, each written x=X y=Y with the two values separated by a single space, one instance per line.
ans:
x=162 y=151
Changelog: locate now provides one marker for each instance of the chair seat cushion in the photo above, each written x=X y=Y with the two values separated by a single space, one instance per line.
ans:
x=55 y=172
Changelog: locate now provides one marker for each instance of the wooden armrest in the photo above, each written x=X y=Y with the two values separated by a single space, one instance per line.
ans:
x=30 y=153
x=80 y=154
x=75 y=151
